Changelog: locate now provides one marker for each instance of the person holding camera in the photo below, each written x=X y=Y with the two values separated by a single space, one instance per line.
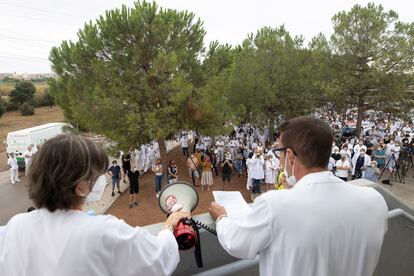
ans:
x=65 y=241
x=226 y=170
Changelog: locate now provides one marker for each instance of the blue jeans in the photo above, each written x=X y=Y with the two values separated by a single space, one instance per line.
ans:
x=158 y=183
x=256 y=186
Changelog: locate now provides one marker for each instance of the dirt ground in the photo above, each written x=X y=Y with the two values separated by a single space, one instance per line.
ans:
x=13 y=120
x=148 y=211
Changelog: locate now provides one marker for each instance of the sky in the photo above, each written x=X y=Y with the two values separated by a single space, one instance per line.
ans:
x=29 y=29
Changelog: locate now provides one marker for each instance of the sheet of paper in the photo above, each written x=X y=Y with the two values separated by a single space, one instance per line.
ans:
x=233 y=202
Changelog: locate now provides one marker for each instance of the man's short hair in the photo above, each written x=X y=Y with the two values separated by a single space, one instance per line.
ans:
x=310 y=139
x=59 y=166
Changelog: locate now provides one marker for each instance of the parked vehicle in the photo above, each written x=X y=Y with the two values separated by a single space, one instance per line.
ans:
x=18 y=141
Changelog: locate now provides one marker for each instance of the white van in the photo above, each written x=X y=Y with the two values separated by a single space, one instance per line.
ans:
x=18 y=141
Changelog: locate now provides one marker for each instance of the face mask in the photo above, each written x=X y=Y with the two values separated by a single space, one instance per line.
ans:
x=362 y=154
x=291 y=180
x=97 y=190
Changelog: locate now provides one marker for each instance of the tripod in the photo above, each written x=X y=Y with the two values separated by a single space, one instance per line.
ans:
x=402 y=163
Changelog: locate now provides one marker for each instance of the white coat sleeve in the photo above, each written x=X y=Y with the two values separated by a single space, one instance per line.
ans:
x=138 y=252
x=246 y=236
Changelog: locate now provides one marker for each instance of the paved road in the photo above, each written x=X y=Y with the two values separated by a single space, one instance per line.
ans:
x=13 y=198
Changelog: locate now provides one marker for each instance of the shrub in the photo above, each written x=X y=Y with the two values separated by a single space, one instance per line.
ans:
x=2 y=108
x=27 y=110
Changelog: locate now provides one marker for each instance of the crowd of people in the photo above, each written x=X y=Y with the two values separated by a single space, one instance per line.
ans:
x=250 y=152
x=301 y=221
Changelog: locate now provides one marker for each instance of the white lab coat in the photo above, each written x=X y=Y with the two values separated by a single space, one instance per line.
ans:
x=67 y=243
x=322 y=226
x=256 y=167
x=367 y=162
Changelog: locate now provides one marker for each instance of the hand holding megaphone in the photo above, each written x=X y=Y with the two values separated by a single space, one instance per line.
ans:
x=175 y=217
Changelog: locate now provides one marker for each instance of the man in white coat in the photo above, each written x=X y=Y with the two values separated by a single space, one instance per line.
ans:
x=14 y=168
x=315 y=228
x=360 y=162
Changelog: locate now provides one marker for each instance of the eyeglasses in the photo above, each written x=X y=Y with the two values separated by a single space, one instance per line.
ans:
x=284 y=149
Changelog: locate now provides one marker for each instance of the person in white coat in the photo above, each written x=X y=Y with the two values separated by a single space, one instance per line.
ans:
x=256 y=172
x=270 y=172
x=315 y=228
x=59 y=239
x=360 y=162
x=14 y=168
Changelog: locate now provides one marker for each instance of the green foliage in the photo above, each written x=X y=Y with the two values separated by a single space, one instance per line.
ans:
x=2 y=108
x=272 y=77
x=27 y=110
x=46 y=99
x=132 y=75
x=23 y=92
x=371 y=52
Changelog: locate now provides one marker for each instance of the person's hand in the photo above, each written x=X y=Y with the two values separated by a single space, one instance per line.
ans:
x=174 y=218
x=216 y=210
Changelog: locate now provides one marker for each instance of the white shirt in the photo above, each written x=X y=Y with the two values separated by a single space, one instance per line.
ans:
x=12 y=162
x=316 y=228
x=256 y=169
x=184 y=141
x=72 y=243
x=342 y=173
x=29 y=154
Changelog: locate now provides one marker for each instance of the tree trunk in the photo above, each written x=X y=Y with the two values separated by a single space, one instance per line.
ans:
x=272 y=129
x=163 y=157
x=360 y=117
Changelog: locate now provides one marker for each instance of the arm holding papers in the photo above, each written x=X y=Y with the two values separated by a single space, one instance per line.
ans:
x=244 y=234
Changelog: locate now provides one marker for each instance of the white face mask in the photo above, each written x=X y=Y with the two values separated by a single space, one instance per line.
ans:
x=291 y=180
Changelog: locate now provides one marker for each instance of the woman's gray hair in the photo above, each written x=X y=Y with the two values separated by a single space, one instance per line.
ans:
x=59 y=166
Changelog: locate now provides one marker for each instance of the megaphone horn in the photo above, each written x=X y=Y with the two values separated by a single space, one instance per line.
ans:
x=177 y=194
x=181 y=195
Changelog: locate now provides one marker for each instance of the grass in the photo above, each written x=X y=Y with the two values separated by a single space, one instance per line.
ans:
x=5 y=88
x=13 y=120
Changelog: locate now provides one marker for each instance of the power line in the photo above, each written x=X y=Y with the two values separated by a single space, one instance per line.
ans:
x=22 y=56
x=34 y=19
x=25 y=59
x=24 y=34
x=23 y=43
x=29 y=40
x=41 y=10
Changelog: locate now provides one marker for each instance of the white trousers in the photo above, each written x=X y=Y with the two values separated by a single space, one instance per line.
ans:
x=14 y=175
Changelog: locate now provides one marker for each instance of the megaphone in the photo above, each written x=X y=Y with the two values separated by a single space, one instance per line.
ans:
x=173 y=197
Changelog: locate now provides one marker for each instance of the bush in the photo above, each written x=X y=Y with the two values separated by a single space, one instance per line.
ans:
x=8 y=105
x=2 y=108
x=27 y=110
x=43 y=100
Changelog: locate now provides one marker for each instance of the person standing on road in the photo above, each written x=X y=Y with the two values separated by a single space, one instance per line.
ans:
x=172 y=172
x=256 y=167
x=206 y=176
x=158 y=170
x=133 y=176
x=27 y=158
x=14 y=168
x=192 y=165
x=126 y=164
x=115 y=172
x=184 y=144
x=226 y=170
